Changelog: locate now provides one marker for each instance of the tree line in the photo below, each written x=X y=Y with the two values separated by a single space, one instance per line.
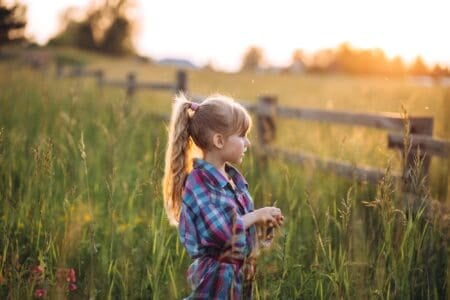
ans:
x=346 y=59
x=12 y=23
x=105 y=26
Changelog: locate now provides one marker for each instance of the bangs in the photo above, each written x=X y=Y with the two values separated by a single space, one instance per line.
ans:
x=242 y=122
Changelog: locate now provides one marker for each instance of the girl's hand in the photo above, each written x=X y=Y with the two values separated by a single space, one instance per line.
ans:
x=267 y=216
x=270 y=216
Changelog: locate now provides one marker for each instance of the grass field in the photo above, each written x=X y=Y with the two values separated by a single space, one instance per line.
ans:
x=82 y=215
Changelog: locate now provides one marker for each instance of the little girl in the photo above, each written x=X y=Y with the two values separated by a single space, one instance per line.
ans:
x=208 y=198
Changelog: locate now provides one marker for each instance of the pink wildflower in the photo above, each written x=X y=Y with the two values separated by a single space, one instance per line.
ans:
x=37 y=273
x=37 y=270
x=40 y=293
x=71 y=277
x=72 y=287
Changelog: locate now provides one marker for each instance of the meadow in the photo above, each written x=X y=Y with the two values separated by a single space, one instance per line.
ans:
x=81 y=204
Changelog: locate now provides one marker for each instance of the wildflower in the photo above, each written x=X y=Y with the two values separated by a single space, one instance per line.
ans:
x=122 y=227
x=66 y=276
x=40 y=293
x=71 y=277
x=37 y=273
x=87 y=217
x=72 y=287
x=37 y=270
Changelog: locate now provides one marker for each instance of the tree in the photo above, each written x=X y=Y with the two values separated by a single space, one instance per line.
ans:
x=397 y=67
x=418 y=67
x=345 y=58
x=324 y=60
x=297 y=61
x=253 y=59
x=209 y=66
x=438 y=71
x=12 y=23
x=361 y=61
x=117 y=38
x=107 y=28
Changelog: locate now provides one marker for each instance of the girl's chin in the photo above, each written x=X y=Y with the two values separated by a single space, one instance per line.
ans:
x=236 y=162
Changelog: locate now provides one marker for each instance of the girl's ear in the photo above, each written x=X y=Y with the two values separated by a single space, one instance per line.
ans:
x=218 y=140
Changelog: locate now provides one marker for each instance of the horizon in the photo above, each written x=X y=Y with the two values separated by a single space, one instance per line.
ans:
x=405 y=29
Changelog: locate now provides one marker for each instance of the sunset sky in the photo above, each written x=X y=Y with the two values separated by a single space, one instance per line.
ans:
x=221 y=31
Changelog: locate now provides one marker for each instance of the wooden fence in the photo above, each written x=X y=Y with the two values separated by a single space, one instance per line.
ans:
x=422 y=145
x=130 y=84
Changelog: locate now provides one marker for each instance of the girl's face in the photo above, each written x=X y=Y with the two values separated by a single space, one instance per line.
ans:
x=234 y=148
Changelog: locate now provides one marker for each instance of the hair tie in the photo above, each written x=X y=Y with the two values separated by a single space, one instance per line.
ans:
x=194 y=106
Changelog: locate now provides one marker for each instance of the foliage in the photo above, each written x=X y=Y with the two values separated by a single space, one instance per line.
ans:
x=253 y=59
x=107 y=28
x=12 y=23
x=419 y=67
x=298 y=57
x=350 y=60
x=117 y=37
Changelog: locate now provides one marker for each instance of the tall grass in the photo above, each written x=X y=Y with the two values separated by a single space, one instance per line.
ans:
x=80 y=189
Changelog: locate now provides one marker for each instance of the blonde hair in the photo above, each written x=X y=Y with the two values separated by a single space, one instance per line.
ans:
x=191 y=125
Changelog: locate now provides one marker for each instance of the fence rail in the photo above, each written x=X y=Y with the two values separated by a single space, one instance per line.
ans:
x=130 y=84
x=385 y=121
x=427 y=144
x=267 y=111
x=358 y=173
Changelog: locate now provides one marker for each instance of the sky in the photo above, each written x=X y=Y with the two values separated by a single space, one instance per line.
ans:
x=219 y=32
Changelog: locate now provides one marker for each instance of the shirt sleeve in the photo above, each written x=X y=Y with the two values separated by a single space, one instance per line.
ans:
x=187 y=231
x=211 y=221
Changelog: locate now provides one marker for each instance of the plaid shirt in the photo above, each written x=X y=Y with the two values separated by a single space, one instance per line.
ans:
x=212 y=230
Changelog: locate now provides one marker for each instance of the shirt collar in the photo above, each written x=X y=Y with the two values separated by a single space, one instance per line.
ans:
x=212 y=171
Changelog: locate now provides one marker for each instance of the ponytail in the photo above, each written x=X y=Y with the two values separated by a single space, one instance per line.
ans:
x=178 y=158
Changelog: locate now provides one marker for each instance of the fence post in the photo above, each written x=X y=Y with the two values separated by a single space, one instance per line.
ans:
x=131 y=84
x=100 y=77
x=130 y=90
x=422 y=126
x=181 y=83
x=446 y=111
x=59 y=69
x=266 y=114
x=100 y=80
x=266 y=111
x=76 y=71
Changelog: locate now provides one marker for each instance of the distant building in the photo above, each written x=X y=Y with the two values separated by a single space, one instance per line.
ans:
x=177 y=62
x=295 y=68
x=268 y=70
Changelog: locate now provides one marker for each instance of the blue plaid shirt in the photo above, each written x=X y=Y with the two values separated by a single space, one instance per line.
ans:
x=212 y=230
